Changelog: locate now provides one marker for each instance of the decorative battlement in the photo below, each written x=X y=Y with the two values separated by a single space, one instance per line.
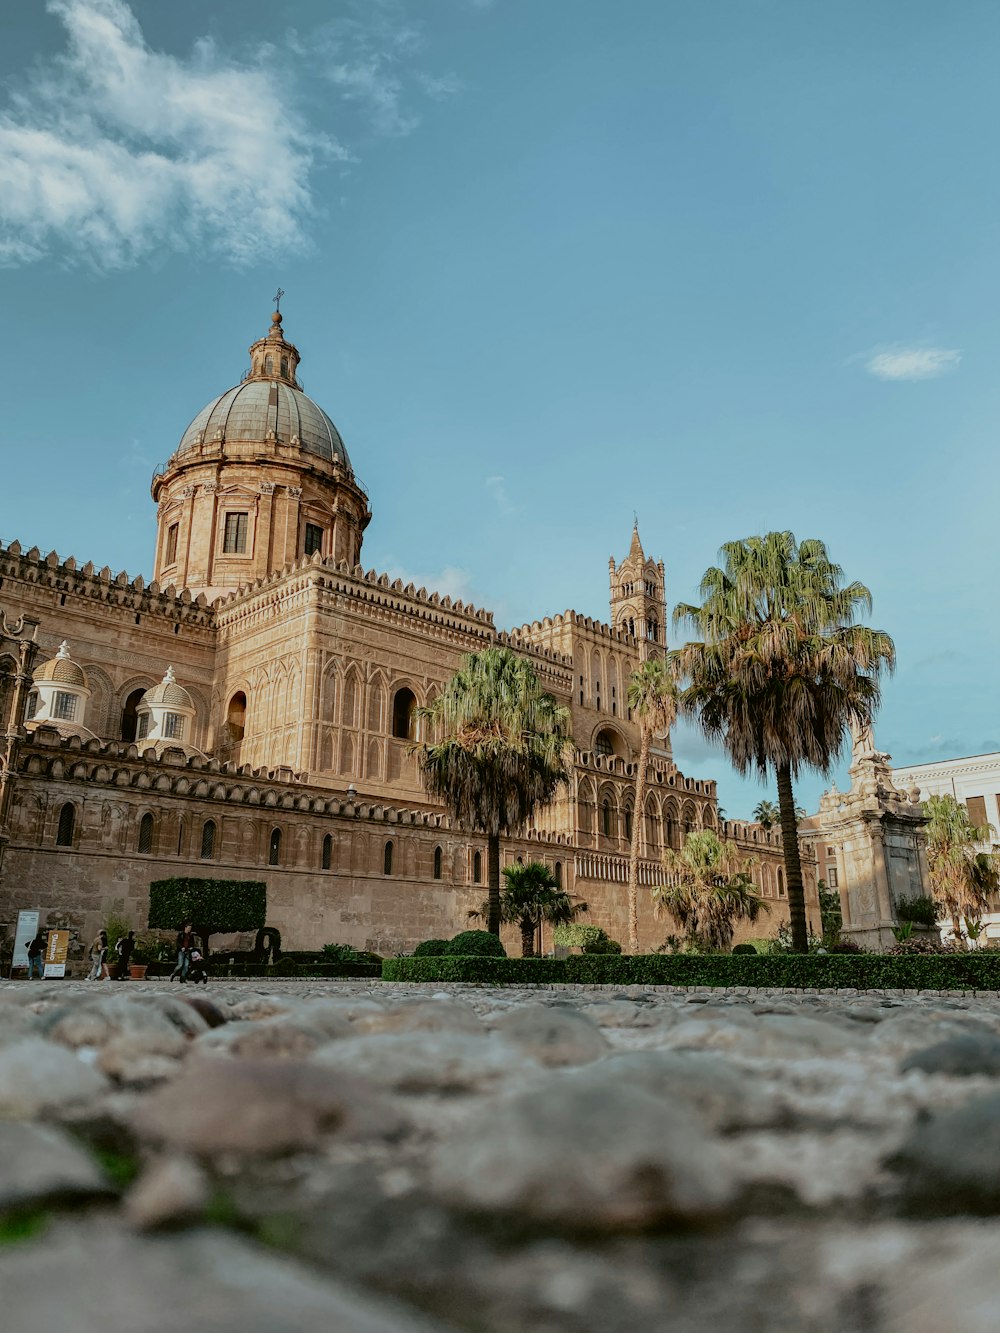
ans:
x=661 y=772
x=133 y=594
x=598 y=628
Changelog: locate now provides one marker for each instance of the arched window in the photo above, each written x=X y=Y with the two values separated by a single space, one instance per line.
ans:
x=403 y=714
x=437 y=862
x=274 y=849
x=130 y=721
x=145 y=844
x=628 y=822
x=558 y=874
x=208 y=840
x=606 y=817
x=387 y=859
x=236 y=716
x=67 y=822
x=284 y=366
x=268 y=364
x=181 y=830
x=477 y=867
x=781 y=882
x=327 y=851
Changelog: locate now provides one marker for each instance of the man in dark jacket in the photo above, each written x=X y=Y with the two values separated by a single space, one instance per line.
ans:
x=124 y=949
x=36 y=956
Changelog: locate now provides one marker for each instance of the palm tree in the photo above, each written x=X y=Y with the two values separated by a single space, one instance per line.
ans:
x=530 y=895
x=709 y=889
x=963 y=879
x=652 y=698
x=767 y=814
x=500 y=753
x=781 y=670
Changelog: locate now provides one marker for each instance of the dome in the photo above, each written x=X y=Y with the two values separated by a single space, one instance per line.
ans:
x=61 y=669
x=259 y=408
x=168 y=692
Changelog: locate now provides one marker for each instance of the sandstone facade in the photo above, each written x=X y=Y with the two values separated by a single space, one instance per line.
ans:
x=304 y=674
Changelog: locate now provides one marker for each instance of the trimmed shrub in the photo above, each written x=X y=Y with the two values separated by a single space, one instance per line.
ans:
x=591 y=939
x=979 y=970
x=284 y=967
x=431 y=949
x=846 y=946
x=921 y=911
x=214 y=905
x=744 y=948
x=476 y=944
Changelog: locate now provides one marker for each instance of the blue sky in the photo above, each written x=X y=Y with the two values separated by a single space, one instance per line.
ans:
x=729 y=263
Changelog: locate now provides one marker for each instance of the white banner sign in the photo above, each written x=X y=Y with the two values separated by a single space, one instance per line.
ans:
x=27 y=929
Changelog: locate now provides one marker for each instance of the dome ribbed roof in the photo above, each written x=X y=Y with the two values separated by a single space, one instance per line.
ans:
x=249 y=412
x=61 y=669
x=168 y=692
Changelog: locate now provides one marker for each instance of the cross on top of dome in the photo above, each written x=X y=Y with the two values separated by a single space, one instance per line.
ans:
x=273 y=357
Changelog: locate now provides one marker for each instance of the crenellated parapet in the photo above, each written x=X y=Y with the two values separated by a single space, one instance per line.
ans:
x=66 y=577
x=573 y=620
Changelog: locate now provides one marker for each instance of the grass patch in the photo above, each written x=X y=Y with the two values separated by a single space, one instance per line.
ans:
x=21 y=1226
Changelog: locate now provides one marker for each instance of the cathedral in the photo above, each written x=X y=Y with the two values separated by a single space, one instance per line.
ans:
x=250 y=712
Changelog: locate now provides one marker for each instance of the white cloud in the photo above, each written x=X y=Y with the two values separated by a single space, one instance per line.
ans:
x=912 y=363
x=452 y=580
x=121 y=151
x=497 y=487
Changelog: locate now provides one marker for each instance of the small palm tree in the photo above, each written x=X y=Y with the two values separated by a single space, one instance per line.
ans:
x=652 y=697
x=709 y=889
x=767 y=814
x=529 y=896
x=963 y=879
x=501 y=753
x=781 y=670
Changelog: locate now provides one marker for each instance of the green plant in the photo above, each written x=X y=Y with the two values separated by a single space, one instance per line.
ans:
x=602 y=944
x=652 y=701
x=830 y=915
x=117 y=927
x=339 y=953
x=955 y=970
x=431 y=949
x=963 y=879
x=502 y=751
x=284 y=967
x=744 y=948
x=481 y=943
x=921 y=911
x=903 y=931
x=709 y=890
x=781 y=670
x=529 y=896
x=213 y=905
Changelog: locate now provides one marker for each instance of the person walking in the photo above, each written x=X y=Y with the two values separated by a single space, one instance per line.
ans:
x=124 y=949
x=186 y=943
x=99 y=957
x=36 y=956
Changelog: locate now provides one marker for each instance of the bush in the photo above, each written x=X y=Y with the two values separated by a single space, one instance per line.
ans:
x=476 y=943
x=339 y=953
x=979 y=970
x=921 y=911
x=846 y=946
x=744 y=948
x=591 y=939
x=213 y=905
x=922 y=944
x=284 y=967
x=431 y=949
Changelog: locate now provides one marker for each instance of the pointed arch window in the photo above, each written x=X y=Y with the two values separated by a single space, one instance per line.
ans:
x=67 y=823
x=208 y=840
x=557 y=874
x=404 y=706
x=145 y=844
x=477 y=867
x=606 y=817
x=274 y=848
x=438 y=861
x=387 y=858
x=328 y=851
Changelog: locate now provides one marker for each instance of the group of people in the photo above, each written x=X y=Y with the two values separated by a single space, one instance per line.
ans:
x=190 y=963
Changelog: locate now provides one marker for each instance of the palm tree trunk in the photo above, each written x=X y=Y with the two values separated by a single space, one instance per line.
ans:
x=793 y=862
x=527 y=937
x=493 y=881
x=633 y=860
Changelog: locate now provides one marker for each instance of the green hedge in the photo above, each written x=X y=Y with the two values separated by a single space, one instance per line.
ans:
x=220 y=971
x=971 y=971
x=214 y=905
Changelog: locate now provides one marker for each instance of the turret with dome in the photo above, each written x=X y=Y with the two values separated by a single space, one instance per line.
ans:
x=260 y=478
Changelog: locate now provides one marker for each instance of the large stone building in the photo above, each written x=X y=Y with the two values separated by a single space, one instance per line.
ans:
x=251 y=711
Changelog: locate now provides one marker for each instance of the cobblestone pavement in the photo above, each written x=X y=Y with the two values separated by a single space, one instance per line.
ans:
x=301 y=1155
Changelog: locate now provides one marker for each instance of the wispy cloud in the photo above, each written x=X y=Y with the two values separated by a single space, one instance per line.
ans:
x=451 y=580
x=116 y=152
x=497 y=487
x=911 y=363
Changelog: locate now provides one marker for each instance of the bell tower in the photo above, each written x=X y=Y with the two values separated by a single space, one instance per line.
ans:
x=638 y=598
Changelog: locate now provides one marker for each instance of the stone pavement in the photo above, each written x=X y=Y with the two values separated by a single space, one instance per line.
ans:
x=362 y=1156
